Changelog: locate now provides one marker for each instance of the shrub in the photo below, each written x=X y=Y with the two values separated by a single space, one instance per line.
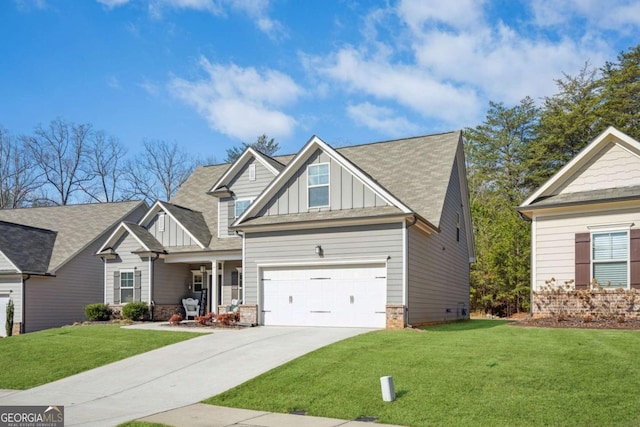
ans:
x=205 y=320
x=8 y=325
x=175 y=319
x=97 y=312
x=228 y=318
x=135 y=311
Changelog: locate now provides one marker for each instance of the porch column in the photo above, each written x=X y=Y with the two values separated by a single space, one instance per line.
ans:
x=213 y=292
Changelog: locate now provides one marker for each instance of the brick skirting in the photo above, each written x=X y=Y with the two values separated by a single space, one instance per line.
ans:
x=395 y=316
x=604 y=303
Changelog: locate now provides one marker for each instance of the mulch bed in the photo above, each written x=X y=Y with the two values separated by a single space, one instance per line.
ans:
x=579 y=323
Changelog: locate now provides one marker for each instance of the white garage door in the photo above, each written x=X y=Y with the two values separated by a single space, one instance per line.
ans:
x=4 y=299
x=325 y=296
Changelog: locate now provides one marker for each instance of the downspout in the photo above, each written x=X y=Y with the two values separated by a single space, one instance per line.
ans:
x=25 y=277
x=152 y=304
x=405 y=270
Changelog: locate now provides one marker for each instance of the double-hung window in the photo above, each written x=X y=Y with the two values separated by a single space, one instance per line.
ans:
x=318 y=185
x=241 y=206
x=610 y=258
x=126 y=286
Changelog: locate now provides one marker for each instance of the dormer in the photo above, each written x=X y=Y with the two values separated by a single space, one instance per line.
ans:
x=239 y=186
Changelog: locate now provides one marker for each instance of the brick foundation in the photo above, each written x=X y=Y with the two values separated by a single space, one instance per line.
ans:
x=249 y=313
x=165 y=311
x=579 y=303
x=395 y=316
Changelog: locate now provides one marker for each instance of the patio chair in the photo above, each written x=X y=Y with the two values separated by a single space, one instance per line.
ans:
x=191 y=307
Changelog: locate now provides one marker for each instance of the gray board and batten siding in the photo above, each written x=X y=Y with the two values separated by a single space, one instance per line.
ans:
x=173 y=234
x=345 y=191
x=243 y=188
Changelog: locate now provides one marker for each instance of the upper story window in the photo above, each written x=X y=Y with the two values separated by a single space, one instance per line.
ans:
x=609 y=258
x=241 y=206
x=318 y=185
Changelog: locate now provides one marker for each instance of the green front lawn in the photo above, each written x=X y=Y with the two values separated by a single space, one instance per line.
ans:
x=479 y=372
x=40 y=357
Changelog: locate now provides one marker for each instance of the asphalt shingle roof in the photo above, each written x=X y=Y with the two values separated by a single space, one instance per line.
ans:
x=28 y=248
x=76 y=225
x=192 y=220
x=145 y=237
x=414 y=170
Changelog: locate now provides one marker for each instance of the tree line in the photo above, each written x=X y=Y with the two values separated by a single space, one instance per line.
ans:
x=517 y=148
x=64 y=163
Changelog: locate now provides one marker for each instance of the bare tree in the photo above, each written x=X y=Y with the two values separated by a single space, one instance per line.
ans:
x=104 y=163
x=59 y=153
x=18 y=183
x=159 y=171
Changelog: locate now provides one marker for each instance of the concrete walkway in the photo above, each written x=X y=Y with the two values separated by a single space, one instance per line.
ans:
x=175 y=376
x=201 y=415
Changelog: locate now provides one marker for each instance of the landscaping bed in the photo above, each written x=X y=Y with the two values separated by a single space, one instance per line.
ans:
x=580 y=323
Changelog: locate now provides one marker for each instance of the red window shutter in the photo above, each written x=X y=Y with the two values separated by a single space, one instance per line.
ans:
x=634 y=242
x=583 y=260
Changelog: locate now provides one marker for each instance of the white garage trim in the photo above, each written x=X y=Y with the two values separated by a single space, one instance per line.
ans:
x=323 y=262
x=324 y=304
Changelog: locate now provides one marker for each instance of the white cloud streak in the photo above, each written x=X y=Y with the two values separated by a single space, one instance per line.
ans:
x=452 y=58
x=381 y=119
x=240 y=102
x=256 y=10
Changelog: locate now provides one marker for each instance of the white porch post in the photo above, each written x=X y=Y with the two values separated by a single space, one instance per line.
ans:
x=213 y=292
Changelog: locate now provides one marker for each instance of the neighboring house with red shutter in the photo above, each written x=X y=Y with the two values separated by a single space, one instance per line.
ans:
x=47 y=263
x=585 y=223
x=375 y=235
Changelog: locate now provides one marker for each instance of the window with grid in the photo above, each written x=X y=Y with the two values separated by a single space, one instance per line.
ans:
x=609 y=258
x=318 y=185
x=126 y=286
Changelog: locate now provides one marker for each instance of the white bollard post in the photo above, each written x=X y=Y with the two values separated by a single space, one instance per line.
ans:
x=388 y=392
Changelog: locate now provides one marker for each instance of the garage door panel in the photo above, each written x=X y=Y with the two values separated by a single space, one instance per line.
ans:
x=325 y=296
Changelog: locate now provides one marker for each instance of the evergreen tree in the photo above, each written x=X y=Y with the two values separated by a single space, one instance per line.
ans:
x=621 y=93
x=263 y=144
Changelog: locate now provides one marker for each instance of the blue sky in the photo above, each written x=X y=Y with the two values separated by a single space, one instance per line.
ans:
x=209 y=74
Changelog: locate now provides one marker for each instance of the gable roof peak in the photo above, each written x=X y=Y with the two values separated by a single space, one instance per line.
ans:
x=586 y=154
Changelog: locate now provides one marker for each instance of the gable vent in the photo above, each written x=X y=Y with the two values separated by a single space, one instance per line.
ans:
x=161 y=222
x=252 y=172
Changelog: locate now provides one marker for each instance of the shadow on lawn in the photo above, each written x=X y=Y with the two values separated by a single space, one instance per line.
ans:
x=466 y=325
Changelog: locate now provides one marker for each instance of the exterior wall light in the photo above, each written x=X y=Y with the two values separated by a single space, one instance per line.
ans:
x=319 y=250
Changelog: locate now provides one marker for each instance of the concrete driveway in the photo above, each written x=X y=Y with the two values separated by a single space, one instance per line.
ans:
x=176 y=375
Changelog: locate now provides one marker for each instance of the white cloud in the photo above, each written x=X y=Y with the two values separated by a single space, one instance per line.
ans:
x=450 y=58
x=381 y=119
x=456 y=14
x=256 y=10
x=240 y=102
x=610 y=15
x=113 y=82
x=113 y=3
x=149 y=87
x=406 y=84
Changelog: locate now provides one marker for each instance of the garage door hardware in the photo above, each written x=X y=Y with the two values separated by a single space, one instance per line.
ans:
x=319 y=311
x=319 y=278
